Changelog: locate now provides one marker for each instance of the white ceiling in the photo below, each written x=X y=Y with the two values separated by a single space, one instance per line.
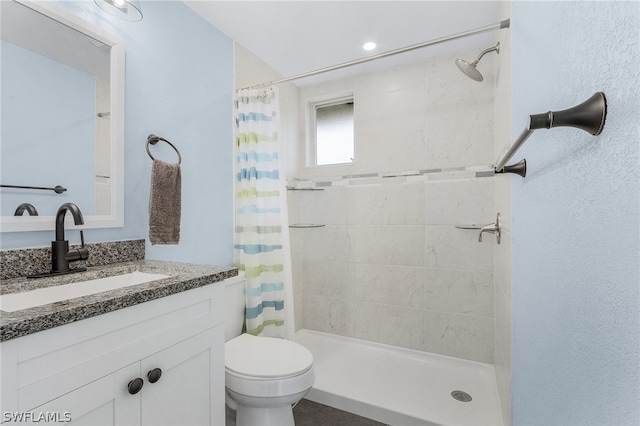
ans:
x=299 y=36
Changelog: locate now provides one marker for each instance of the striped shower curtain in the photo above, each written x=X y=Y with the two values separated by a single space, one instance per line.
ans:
x=261 y=234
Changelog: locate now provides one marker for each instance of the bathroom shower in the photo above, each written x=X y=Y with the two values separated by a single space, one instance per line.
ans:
x=471 y=69
x=378 y=251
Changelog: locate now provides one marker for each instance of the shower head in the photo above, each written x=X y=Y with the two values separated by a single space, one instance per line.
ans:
x=470 y=69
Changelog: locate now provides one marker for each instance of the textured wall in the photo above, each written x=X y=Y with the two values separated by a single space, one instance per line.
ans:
x=179 y=81
x=576 y=279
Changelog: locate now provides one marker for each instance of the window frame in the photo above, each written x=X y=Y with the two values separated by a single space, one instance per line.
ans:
x=312 y=143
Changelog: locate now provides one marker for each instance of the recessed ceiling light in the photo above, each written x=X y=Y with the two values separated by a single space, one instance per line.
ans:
x=369 y=45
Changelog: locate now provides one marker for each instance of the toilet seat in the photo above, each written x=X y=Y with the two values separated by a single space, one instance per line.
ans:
x=267 y=367
x=266 y=357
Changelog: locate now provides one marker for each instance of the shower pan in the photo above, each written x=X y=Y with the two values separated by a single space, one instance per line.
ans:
x=428 y=389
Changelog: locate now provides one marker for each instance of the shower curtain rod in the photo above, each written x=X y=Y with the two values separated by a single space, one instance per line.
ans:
x=497 y=26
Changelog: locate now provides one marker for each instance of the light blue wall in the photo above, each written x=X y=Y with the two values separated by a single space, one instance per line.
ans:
x=179 y=84
x=576 y=218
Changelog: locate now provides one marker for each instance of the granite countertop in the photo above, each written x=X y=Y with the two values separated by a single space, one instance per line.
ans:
x=182 y=277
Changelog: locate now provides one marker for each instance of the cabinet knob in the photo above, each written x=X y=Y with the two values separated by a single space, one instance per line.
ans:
x=154 y=375
x=135 y=385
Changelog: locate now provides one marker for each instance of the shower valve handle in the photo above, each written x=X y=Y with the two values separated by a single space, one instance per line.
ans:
x=493 y=228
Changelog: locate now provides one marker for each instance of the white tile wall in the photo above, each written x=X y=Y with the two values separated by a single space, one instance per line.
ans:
x=391 y=204
x=325 y=278
x=410 y=278
x=326 y=314
x=462 y=336
x=460 y=202
x=387 y=245
x=371 y=283
x=393 y=325
x=319 y=206
x=386 y=276
x=461 y=292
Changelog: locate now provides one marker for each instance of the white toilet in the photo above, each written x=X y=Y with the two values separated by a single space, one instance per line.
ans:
x=264 y=376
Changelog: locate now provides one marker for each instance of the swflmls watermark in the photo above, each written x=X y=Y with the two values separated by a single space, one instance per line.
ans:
x=33 y=417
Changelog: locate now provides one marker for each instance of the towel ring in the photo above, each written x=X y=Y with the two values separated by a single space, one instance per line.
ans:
x=153 y=139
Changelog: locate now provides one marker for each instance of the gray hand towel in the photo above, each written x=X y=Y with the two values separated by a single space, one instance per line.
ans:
x=165 y=203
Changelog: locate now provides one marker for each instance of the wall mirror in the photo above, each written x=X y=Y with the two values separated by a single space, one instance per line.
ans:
x=62 y=117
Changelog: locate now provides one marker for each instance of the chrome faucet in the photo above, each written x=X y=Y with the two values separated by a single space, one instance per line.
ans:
x=60 y=253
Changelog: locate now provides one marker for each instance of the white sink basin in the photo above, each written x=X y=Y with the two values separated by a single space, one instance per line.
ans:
x=43 y=296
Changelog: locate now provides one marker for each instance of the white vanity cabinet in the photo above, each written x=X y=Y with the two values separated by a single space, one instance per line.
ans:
x=87 y=371
x=101 y=402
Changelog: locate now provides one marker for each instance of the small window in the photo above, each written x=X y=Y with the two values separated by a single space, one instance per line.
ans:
x=334 y=132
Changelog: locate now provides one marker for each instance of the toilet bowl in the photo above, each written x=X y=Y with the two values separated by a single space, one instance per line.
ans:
x=264 y=376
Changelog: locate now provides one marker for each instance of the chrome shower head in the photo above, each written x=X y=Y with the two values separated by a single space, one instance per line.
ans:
x=471 y=69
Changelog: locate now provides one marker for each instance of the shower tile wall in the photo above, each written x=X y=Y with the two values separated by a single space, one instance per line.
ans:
x=389 y=265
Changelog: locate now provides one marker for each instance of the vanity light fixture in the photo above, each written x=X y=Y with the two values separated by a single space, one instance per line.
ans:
x=129 y=10
x=369 y=46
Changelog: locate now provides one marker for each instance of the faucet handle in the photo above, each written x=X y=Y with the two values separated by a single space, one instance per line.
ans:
x=78 y=254
x=494 y=228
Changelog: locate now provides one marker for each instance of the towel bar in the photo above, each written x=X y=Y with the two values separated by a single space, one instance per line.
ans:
x=153 y=139
x=57 y=189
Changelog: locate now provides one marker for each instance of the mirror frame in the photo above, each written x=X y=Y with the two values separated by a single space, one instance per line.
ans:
x=117 y=80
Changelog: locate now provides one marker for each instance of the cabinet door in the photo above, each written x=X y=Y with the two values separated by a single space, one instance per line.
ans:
x=190 y=390
x=105 y=401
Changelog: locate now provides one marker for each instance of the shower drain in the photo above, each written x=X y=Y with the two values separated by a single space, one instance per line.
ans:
x=461 y=396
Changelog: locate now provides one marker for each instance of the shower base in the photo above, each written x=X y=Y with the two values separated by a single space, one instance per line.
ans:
x=400 y=386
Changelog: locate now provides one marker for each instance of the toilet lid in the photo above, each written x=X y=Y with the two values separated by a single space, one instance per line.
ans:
x=266 y=357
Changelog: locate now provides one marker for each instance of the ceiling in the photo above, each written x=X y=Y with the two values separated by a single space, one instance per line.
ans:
x=295 y=37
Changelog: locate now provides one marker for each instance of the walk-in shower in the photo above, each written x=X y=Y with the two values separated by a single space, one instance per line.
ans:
x=394 y=301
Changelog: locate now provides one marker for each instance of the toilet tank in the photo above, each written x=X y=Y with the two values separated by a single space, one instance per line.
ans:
x=234 y=306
